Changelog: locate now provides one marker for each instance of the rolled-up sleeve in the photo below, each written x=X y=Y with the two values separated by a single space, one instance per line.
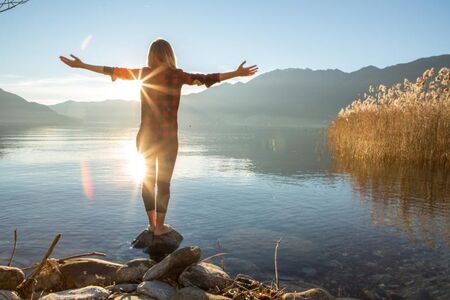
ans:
x=202 y=79
x=122 y=73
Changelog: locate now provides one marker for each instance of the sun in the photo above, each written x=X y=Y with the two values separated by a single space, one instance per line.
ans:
x=135 y=162
x=127 y=89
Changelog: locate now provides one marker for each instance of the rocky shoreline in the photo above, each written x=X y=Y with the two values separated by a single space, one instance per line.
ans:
x=178 y=275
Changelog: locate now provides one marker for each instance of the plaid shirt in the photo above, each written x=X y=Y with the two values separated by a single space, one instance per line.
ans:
x=160 y=96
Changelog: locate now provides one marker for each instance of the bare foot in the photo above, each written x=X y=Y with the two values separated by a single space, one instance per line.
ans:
x=150 y=228
x=166 y=228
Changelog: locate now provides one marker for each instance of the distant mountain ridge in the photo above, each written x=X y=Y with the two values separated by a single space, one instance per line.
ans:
x=301 y=94
x=107 y=111
x=289 y=97
x=14 y=110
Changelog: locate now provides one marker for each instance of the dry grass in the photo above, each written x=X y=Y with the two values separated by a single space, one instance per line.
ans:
x=407 y=122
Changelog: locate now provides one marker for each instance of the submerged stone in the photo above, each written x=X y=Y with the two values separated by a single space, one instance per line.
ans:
x=158 y=246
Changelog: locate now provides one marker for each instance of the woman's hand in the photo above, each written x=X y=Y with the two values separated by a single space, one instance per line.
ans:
x=246 y=71
x=73 y=63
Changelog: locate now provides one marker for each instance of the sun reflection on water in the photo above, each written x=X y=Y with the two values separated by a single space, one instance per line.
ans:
x=135 y=162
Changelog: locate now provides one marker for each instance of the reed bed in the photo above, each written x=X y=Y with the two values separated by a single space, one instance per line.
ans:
x=407 y=122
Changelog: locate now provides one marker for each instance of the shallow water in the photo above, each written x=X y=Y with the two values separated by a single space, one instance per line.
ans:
x=342 y=226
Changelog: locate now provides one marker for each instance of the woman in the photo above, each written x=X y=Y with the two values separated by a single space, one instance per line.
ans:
x=157 y=139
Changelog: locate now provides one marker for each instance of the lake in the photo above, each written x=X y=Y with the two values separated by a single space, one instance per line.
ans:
x=343 y=226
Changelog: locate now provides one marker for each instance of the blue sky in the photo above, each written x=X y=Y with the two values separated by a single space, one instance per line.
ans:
x=208 y=36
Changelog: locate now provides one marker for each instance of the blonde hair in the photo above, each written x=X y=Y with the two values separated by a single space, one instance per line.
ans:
x=161 y=53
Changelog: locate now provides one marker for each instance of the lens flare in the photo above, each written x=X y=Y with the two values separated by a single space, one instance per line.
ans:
x=86 y=42
x=86 y=179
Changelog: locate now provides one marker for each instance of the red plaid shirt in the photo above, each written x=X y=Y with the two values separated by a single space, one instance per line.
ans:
x=160 y=95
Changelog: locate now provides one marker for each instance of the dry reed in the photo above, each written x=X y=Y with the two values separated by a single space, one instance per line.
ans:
x=407 y=122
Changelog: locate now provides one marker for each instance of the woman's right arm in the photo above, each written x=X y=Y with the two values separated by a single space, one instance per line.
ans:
x=121 y=73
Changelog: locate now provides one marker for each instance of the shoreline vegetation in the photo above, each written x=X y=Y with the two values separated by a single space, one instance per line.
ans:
x=181 y=275
x=405 y=123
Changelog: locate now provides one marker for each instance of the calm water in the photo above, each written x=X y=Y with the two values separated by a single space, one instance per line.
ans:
x=342 y=226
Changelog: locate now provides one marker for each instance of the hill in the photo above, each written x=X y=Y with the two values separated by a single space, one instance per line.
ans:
x=16 y=111
x=293 y=96
x=108 y=111
x=289 y=97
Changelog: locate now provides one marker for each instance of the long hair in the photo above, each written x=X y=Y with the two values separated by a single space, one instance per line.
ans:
x=161 y=53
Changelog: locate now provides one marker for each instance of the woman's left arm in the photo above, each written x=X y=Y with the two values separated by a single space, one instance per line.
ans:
x=240 y=71
x=210 y=79
x=122 y=73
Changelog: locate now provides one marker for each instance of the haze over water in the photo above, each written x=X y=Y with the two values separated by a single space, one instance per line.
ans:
x=235 y=190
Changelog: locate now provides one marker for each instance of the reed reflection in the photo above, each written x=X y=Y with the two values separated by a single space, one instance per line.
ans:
x=414 y=200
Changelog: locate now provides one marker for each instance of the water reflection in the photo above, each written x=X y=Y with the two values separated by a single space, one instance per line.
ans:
x=244 y=187
x=414 y=200
x=270 y=151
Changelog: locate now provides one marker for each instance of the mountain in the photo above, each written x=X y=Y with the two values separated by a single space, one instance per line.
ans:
x=108 y=111
x=298 y=96
x=14 y=110
x=289 y=97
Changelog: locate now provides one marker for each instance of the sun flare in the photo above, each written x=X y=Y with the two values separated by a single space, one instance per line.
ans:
x=135 y=163
x=127 y=89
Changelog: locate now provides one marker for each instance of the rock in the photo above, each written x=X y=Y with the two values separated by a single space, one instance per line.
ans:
x=10 y=277
x=312 y=294
x=137 y=262
x=9 y=295
x=123 y=287
x=50 y=278
x=86 y=293
x=194 y=293
x=131 y=297
x=159 y=246
x=82 y=272
x=205 y=276
x=156 y=289
x=174 y=263
x=134 y=270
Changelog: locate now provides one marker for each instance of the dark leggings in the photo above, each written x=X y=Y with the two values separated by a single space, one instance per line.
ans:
x=160 y=160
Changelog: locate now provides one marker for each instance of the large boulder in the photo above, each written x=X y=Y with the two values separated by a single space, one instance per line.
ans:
x=205 y=276
x=158 y=246
x=174 y=264
x=86 y=293
x=134 y=270
x=312 y=294
x=10 y=277
x=82 y=272
x=156 y=289
x=194 y=293
x=9 y=295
